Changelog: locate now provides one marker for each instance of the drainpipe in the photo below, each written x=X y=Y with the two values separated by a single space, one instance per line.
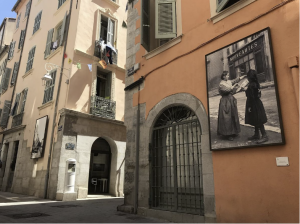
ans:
x=293 y=64
x=137 y=152
x=56 y=105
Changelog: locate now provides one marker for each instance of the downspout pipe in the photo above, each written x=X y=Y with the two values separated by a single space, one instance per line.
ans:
x=46 y=190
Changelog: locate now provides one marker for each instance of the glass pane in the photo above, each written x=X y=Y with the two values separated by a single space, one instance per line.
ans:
x=252 y=64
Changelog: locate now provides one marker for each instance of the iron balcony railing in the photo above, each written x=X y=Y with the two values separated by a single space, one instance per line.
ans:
x=98 y=53
x=17 y=120
x=103 y=107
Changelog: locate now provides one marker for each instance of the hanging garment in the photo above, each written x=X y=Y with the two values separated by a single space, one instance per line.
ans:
x=54 y=45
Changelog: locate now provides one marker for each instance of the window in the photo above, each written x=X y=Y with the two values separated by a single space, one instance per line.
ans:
x=107 y=30
x=5 y=80
x=21 y=41
x=14 y=74
x=11 y=50
x=49 y=89
x=5 y=114
x=30 y=59
x=104 y=85
x=60 y=2
x=55 y=37
x=19 y=104
x=224 y=4
x=18 y=21
x=159 y=21
x=27 y=8
x=37 y=22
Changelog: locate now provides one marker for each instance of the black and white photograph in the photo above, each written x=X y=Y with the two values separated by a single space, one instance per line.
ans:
x=39 y=138
x=243 y=101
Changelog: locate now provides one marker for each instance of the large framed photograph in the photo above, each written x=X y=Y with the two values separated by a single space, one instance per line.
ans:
x=243 y=102
x=39 y=139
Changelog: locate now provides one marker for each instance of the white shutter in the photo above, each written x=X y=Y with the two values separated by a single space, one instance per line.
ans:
x=221 y=4
x=63 y=29
x=48 y=43
x=165 y=19
x=145 y=21
x=110 y=31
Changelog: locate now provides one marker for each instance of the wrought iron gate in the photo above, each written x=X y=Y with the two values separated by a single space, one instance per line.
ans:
x=175 y=158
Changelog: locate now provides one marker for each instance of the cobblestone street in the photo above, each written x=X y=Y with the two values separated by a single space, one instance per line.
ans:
x=15 y=208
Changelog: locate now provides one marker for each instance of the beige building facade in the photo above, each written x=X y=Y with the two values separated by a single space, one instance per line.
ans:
x=65 y=106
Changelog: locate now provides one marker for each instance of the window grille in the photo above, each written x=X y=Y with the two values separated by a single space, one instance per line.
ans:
x=60 y=2
x=30 y=59
x=49 y=89
x=37 y=22
x=175 y=160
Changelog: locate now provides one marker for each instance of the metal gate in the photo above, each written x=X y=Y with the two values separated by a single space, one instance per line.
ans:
x=175 y=161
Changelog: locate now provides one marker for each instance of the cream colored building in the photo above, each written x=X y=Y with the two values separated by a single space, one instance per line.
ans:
x=66 y=108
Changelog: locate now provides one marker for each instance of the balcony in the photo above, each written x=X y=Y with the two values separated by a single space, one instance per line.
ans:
x=98 y=53
x=103 y=107
x=17 y=120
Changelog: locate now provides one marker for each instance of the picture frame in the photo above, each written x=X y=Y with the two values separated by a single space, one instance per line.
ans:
x=242 y=94
x=39 y=138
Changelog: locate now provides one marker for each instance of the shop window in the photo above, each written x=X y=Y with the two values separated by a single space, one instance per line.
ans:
x=159 y=21
x=18 y=21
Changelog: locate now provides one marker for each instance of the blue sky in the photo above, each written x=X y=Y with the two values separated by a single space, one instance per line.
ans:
x=5 y=9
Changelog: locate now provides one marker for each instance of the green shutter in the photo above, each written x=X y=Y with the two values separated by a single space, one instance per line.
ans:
x=37 y=22
x=145 y=21
x=5 y=79
x=30 y=59
x=5 y=114
x=15 y=107
x=24 y=100
x=18 y=21
x=165 y=19
x=110 y=31
x=221 y=4
x=48 y=43
x=21 y=41
x=27 y=8
x=15 y=72
x=62 y=31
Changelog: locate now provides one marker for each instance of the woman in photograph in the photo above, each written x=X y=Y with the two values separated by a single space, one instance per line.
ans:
x=228 y=120
x=255 y=114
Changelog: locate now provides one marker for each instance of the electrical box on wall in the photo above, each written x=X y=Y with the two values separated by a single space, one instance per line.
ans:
x=282 y=161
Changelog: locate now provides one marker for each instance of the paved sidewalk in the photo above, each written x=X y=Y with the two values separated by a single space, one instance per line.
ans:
x=15 y=208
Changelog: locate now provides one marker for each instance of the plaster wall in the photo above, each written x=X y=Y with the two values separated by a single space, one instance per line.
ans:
x=247 y=181
x=10 y=29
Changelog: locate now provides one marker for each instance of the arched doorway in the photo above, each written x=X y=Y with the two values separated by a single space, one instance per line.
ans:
x=176 y=162
x=100 y=162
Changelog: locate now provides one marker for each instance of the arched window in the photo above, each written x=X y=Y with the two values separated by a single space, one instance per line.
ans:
x=175 y=161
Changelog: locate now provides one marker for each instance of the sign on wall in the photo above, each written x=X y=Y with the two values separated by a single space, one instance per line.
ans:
x=39 y=139
x=243 y=101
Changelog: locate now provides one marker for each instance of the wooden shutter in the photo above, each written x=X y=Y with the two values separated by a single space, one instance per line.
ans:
x=27 y=8
x=22 y=36
x=165 y=19
x=22 y=104
x=11 y=50
x=37 y=22
x=18 y=21
x=110 y=31
x=49 y=89
x=108 y=86
x=5 y=79
x=15 y=107
x=221 y=4
x=15 y=72
x=48 y=43
x=145 y=21
x=63 y=29
x=5 y=114
x=30 y=59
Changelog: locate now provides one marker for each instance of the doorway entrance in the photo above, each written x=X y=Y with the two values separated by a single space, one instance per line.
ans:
x=99 y=174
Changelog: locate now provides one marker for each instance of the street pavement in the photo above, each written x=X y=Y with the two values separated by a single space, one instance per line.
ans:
x=15 y=208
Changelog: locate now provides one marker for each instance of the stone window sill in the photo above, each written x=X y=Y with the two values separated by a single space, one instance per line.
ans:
x=54 y=53
x=48 y=104
x=216 y=17
x=35 y=33
x=163 y=48
x=114 y=4
x=60 y=8
x=27 y=73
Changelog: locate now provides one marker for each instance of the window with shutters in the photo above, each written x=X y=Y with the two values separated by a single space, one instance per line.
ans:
x=18 y=21
x=30 y=59
x=5 y=114
x=107 y=30
x=14 y=74
x=49 y=89
x=27 y=8
x=11 y=50
x=220 y=9
x=21 y=41
x=5 y=80
x=18 y=108
x=60 y=3
x=37 y=22
x=161 y=22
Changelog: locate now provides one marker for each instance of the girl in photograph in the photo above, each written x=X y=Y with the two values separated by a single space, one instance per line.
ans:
x=255 y=114
x=228 y=120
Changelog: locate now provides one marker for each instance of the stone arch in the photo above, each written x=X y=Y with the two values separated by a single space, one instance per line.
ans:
x=193 y=103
